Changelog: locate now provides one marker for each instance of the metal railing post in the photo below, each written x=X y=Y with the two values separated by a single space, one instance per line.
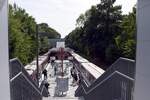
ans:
x=37 y=54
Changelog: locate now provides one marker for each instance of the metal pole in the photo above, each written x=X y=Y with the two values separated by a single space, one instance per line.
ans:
x=37 y=54
x=62 y=67
x=61 y=55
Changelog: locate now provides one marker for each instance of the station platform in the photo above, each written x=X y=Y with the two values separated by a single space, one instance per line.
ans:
x=69 y=95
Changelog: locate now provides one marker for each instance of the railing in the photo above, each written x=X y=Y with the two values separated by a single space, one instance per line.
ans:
x=115 y=84
x=22 y=86
x=89 y=71
x=43 y=90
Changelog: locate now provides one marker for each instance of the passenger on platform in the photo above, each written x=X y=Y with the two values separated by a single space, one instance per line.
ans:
x=77 y=79
x=46 y=86
x=75 y=76
x=52 y=63
x=45 y=74
x=72 y=71
x=55 y=70
x=49 y=61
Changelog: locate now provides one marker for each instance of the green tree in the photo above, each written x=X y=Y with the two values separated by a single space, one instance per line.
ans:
x=98 y=28
x=126 y=41
x=22 y=35
x=44 y=45
x=45 y=30
x=46 y=33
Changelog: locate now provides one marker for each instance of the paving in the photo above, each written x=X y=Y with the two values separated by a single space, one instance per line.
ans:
x=69 y=95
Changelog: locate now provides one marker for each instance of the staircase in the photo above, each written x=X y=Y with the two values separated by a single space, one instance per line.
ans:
x=61 y=98
x=117 y=83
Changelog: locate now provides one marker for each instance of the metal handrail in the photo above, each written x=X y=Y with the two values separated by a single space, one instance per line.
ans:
x=116 y=71
x=21 y=76
x=88 y=89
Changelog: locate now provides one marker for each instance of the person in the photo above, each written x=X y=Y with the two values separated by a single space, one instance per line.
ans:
x=47 y=86
x=55 y=70
x=72 y=72
x=45 y=74
x=75 y=76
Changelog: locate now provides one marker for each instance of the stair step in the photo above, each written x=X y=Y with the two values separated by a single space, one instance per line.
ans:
x=61 y=98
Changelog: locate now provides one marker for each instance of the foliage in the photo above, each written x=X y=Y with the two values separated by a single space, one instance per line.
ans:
x=44 y=45
x=22 y=35
x=104 y=33
x=45 y=30
x=46 y=33
x=126 y=40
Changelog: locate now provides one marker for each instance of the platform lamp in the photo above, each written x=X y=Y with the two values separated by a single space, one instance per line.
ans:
x=37 y=54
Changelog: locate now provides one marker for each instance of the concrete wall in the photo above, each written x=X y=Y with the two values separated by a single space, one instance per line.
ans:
x=142 y=84
x=4 y=65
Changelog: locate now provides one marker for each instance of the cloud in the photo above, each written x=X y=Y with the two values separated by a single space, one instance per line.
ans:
x=59 y=14
x=127 y=5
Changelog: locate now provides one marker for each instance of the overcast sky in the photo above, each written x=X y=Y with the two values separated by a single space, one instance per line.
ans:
x=62 y=14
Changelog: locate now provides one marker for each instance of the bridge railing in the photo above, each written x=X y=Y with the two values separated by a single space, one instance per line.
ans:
x=21 y=84
x=88 y=70
x=115 y=84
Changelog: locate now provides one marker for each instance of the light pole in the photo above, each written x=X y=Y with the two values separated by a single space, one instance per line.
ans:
x=37 y=55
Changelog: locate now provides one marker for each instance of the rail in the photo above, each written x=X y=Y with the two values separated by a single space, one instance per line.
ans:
x=21 y=84
x=88 y=70
x=115 y=84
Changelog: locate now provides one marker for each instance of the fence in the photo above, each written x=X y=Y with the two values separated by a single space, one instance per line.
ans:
x=115 y=84
x=22 y=86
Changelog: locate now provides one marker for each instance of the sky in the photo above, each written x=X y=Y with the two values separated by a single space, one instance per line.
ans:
x=62 y=14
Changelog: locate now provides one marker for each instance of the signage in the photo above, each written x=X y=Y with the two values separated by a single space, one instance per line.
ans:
x=60 y=45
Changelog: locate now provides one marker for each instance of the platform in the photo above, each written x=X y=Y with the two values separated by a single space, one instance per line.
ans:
x=69 y=95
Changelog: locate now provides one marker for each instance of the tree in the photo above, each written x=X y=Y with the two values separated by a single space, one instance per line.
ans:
x=46 y=33
x=45 y=30
x=44 y=45
x=22 y=35
x=126 y=41
x=105 y=34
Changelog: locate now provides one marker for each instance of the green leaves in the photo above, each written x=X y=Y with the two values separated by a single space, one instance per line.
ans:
x=129 y=48
x=104 y=33
x=44 y=45
x=126 y=40
x=22 y=35
x=45 y=30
